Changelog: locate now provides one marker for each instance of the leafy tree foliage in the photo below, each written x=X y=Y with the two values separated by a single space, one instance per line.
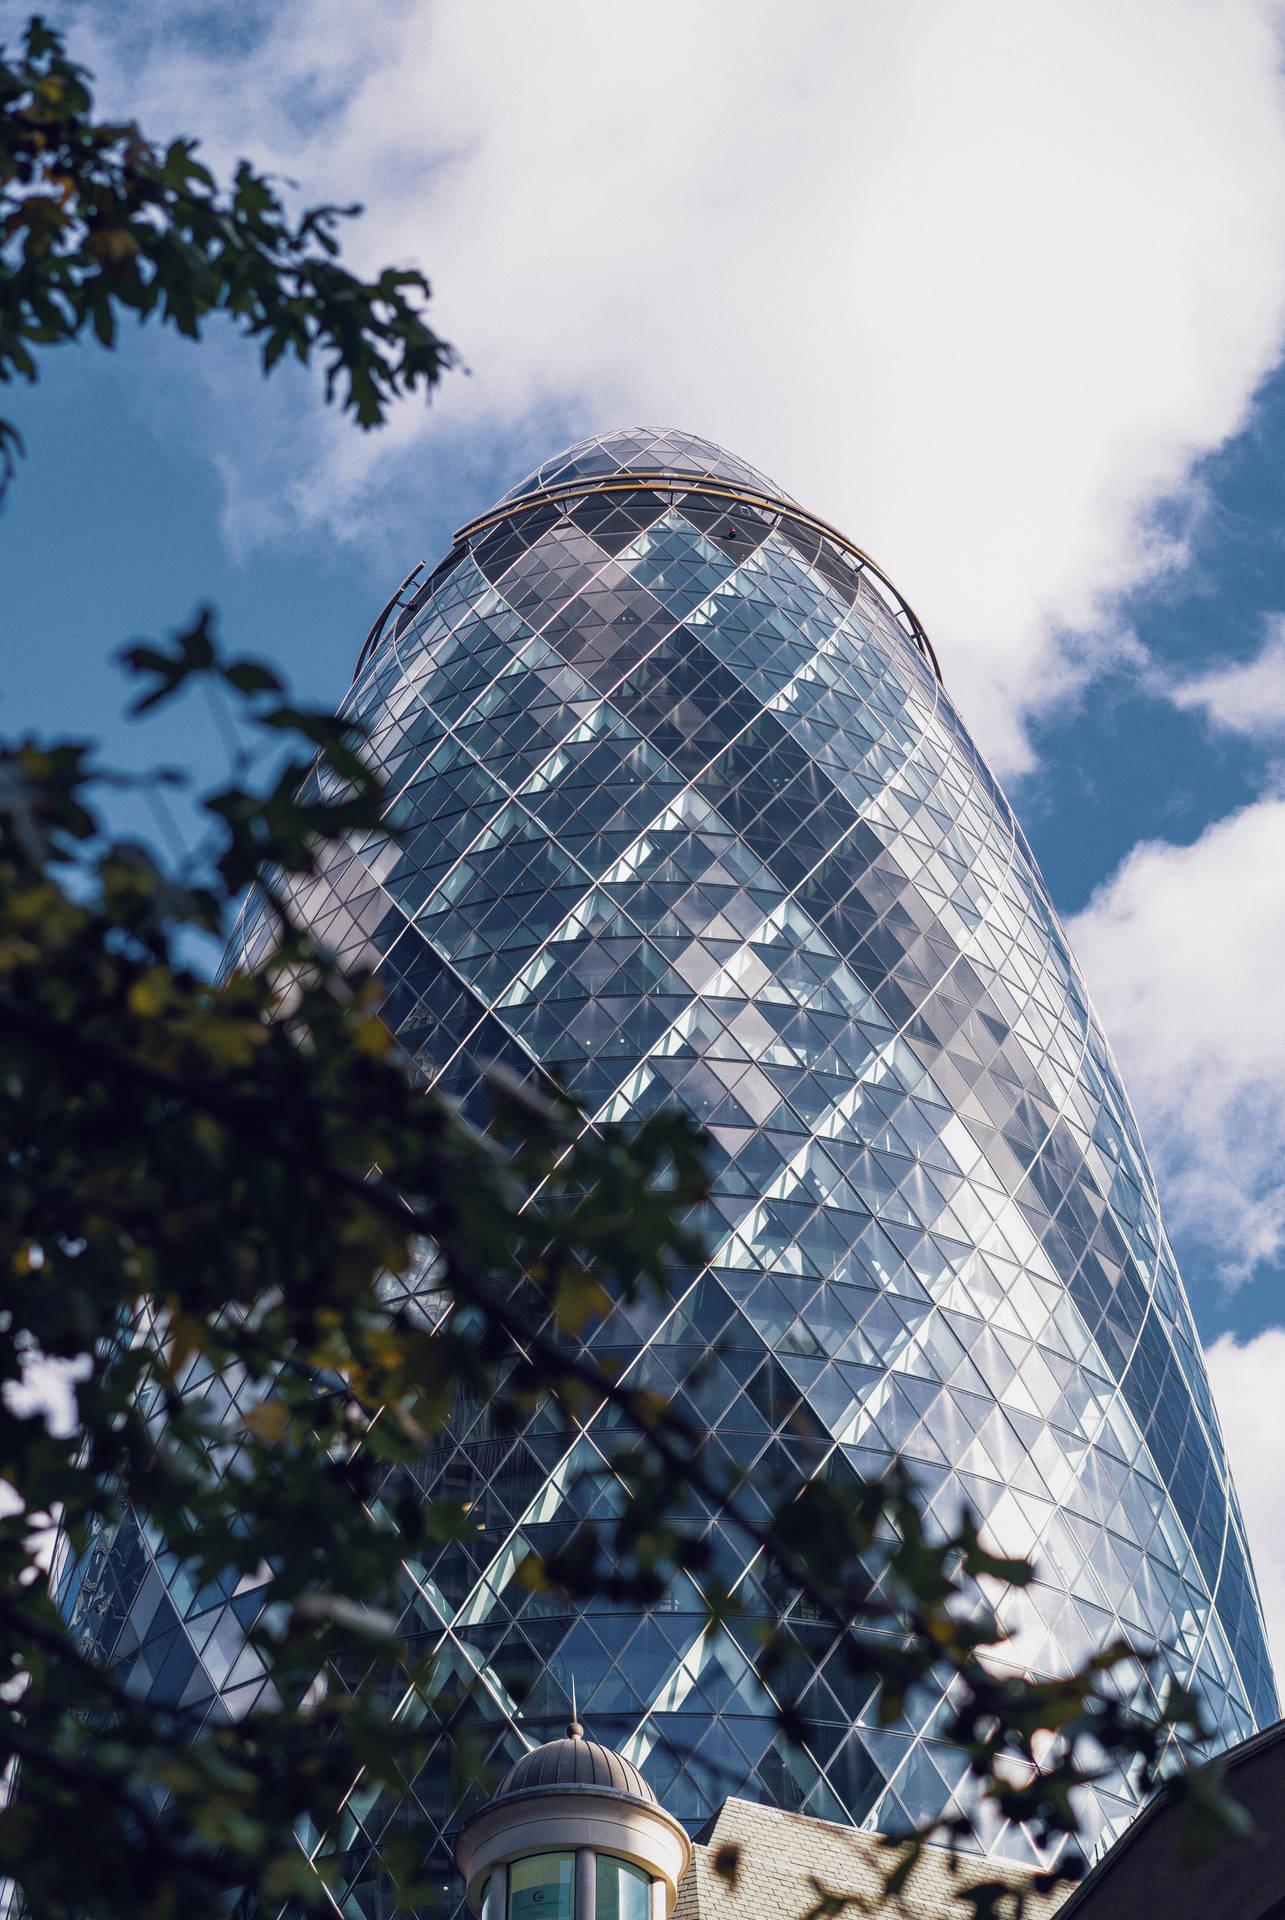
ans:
x=97 y=222
x=216 y=1180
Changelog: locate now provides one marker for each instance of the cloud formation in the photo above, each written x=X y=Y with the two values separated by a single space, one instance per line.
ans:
x=1247 y=697
x=1246 y=1382
x=1182 y=950
x=978 y=284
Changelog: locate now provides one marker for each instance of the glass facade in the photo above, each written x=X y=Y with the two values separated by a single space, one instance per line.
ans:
x=689 y=817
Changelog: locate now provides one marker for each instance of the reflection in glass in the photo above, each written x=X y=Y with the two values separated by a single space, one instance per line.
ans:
x=623 y=1890
x=541 y=1887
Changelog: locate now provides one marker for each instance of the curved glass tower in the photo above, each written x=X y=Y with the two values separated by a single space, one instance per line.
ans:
x=690 y=817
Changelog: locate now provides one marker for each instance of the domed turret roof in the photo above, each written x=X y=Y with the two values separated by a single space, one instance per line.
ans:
x=644 y=450
x=574 y=1762
x=543 y=1803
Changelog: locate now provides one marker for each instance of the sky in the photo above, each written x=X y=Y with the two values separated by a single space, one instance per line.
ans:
x=997 y=288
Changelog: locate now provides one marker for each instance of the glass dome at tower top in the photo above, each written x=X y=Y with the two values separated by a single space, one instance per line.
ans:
x=644 y=450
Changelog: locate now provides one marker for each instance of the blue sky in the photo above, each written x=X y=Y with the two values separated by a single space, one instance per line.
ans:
x=1000 y=292
x=1127 y=763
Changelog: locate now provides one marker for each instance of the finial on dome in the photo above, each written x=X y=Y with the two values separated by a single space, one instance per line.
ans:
x=574 y=1729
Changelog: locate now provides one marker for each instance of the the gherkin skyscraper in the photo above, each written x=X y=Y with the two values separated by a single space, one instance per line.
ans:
x=692 y=818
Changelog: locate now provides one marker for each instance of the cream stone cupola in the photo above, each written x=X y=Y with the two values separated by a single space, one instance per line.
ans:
x=572 y=1832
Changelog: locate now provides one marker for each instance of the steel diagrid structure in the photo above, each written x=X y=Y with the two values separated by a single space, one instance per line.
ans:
x=690 y=817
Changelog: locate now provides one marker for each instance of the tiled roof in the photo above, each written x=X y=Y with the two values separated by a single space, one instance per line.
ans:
x=787 y=1862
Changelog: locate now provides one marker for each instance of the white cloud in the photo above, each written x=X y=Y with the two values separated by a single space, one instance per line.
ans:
x=48 y=1388
x=1182 y=949
x=976 y=282
x=1248 y=697
x=1246 y=1382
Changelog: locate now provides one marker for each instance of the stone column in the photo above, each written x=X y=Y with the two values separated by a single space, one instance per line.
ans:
x=586 y=1903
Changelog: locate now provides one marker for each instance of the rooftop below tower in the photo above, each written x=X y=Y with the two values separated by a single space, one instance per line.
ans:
x=784 y=1860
